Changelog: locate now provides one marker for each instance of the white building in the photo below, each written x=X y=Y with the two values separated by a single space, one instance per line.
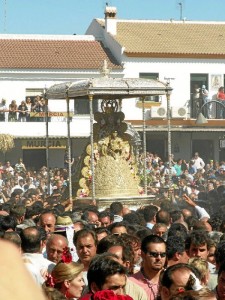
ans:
x=186 y=53
x=28 y=65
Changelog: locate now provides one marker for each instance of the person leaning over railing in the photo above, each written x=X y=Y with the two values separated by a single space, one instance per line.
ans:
x=221 y=98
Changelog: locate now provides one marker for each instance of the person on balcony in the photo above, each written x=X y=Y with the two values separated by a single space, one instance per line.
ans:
x=196 y=99
x=12 y=117
x=3 y=109
x=205 y=99
x=22 y=109
x=221 y=98
x=29 y=106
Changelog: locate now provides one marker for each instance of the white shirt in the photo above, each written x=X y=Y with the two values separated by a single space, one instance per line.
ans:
x=199 y=163
x=36 y=264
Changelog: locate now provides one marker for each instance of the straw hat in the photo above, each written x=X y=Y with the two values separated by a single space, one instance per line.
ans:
x=62 y=223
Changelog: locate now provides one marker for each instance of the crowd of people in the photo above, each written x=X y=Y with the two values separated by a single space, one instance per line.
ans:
x=172 y=248
x=201 y=181
x=22 y=112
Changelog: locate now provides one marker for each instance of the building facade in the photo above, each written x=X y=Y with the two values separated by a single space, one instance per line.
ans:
x=186 y=54
x=189 y=55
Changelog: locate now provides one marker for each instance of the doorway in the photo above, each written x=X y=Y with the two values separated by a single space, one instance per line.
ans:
x=34 y=159
x=204 y=148
x=156 y=146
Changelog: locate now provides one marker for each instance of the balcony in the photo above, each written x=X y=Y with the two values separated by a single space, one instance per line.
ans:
x=57 y=127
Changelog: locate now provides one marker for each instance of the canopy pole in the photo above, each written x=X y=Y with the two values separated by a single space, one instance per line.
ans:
x=69 y=148
x=144 y=144
x=47 y=144
x=169 y=139
x=92 y=146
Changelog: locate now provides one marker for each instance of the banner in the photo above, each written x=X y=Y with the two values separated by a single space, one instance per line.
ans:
x=41 y=144
x=51 y=114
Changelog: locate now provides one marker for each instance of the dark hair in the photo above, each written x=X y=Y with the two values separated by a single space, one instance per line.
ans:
x=100 y=230
x=18 y=211
x=166 y=205
x=220 y=253
x=132 y=218
x=43 y=233
x=123 y=241
x=179 y=230
x=117 y=224
x=221 y=268
x=191 y=221
x=104 y=214
x=8 y=222
x=149 y=212
x=31 y=212
x=143 y=232
x=198 y=238
x=174 y=244
x=100 y=268
x=151 y=239
x=163 y=216
x=30 y=239
x=116 y=208
x=175 y=215
x=6 y=207
x=215 y=221
x=83 y=233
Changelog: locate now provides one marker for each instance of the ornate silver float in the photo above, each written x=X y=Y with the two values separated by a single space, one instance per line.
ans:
x=108 y=168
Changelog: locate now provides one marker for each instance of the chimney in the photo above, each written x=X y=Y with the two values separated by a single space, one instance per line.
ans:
x=110 y=19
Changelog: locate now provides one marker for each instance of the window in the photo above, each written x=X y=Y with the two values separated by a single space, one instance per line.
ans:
x=150 y=76
x=81 y=106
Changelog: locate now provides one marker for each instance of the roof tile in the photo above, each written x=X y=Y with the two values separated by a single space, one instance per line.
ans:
x=54 y=54
x=166 y=38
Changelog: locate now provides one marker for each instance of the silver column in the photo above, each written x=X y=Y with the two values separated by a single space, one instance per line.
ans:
x=92 y=145
x=69 y=147
x=144 y=145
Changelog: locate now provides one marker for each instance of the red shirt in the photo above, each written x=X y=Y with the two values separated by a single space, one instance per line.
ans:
x=87 y=297
x=221 y=96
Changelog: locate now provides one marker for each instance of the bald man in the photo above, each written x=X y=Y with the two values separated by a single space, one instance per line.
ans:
x=47 y=221
x=54 y=247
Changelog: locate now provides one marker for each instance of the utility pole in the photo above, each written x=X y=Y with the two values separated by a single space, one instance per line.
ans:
x=5 y=16
x=181 y=10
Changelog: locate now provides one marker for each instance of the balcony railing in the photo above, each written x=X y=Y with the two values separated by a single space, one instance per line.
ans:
x=213 y=109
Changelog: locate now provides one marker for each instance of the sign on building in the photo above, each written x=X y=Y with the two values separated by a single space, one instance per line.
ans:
x=41 y=144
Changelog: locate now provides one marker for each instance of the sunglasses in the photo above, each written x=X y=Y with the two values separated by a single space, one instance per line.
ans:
x=156 y=254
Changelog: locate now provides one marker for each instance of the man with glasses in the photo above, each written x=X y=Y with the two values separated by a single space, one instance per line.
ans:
x=153 y=253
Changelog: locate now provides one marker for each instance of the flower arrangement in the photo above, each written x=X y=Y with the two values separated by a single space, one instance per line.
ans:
x=50 y=281
x=109 y=295
x=66 y=256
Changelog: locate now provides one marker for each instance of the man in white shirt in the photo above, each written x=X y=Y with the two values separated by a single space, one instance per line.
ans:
x=198 y=162
x=31 y=244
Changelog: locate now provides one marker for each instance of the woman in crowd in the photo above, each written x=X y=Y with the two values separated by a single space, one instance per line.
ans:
x=67 y=277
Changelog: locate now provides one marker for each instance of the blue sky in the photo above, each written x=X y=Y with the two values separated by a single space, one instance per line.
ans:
x=74 y=16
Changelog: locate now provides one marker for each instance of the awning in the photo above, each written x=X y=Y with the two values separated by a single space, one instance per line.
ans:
x=112 y=88
x=178 y=129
